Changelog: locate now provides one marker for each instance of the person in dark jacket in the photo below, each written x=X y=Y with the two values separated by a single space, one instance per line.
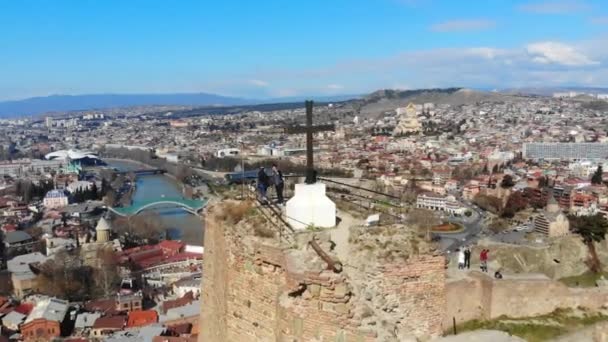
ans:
x=279 y=184
x=263 y=183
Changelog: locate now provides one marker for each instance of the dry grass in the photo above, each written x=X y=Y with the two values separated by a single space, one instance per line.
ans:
x=263 y=231
x=540 y=328
x=235 y=212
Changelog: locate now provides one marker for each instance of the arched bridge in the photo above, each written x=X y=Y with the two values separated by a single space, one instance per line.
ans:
x=190 y=205
x=143 y=172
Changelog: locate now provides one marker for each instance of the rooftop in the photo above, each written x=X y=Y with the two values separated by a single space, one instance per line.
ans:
x=110 y=322
x=16 y=237
x=86 y=320
x=52 y=309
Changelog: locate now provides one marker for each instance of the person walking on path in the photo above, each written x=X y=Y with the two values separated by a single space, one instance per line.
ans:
x=483 y=259
x=467 y=258
x=461 y=259
x=263 y=182
x=279 y=184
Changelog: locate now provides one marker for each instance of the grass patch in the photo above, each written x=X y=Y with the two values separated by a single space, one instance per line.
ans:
x=587 y=279
x=448 y=228
x=539 y=328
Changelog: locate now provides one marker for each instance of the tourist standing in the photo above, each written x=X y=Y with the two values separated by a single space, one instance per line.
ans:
x=467 y=258
x=483 y=260
x=277 y=179
x=461 y=259
x=263 y=182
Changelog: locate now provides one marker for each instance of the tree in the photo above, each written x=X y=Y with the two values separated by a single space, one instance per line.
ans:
x=139 y=230
x=597 y=177
x=489 y=203
x=94 y=192
x=591 y=229
x=106 y=273
x=507 y=182
x=64 y=276
x=516 y=202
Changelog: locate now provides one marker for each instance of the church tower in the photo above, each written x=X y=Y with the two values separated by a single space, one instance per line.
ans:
x=103 y=230
x=408 y=121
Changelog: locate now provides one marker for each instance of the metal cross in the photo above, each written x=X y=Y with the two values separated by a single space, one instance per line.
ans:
x=309 y=129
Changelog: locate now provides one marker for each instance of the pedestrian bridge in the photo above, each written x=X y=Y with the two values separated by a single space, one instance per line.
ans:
x=192 y=206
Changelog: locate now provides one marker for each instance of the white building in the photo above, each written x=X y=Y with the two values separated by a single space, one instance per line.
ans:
x=227 y=152
x=565 y=151
x=432 y=201
x=79 y=185
x=24 y=167
x=190 y=284
x=71 y=155
x=55 y=199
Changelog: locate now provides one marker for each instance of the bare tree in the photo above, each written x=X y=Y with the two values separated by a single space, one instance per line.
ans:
x=106 y=274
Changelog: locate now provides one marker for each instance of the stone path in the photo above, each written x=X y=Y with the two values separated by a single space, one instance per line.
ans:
x=341 y=233
x=480 y=336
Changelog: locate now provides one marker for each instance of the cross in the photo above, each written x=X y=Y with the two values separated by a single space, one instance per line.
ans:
x=309 y=129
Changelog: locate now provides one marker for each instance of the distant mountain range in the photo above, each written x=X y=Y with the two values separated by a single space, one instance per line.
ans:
x=375 y=101
x=65 y=103
x=548 y=91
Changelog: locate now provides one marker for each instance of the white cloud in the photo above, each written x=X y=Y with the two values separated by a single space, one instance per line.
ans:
x=554 y=63
x=335 y=86
x=558 y=53
x=486 y=52
x=259 y=83
x=555 y=7
x=463 y=25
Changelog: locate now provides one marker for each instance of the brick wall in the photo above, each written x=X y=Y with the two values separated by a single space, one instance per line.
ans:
x=251 y=291
x=418 y=288
x=40 y=330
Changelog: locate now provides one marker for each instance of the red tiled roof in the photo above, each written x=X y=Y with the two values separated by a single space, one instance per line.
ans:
x=9 y=227
x=107 y=306
x=180 y=329
x=142 y=317
x=171 y=244
x=176 y=303
x=24 y=308
x=110 y=322
x=174 y=339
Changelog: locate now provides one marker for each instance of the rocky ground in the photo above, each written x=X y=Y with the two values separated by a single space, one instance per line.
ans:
x=559 y=258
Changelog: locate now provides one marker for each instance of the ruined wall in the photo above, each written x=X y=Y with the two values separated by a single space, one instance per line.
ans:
x=467 y=299
x=215 y=271
x=482 y=297
x=255 y=289
x=417 y=292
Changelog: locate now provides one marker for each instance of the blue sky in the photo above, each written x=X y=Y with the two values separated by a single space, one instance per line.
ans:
x=273 y=48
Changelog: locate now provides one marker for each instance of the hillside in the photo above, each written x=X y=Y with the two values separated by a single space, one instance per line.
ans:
x=386 y=100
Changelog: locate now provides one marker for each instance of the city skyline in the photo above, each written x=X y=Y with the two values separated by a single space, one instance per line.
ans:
x=271 y=49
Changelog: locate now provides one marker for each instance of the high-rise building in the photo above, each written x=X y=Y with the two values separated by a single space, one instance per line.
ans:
x=565 y=151
x=49 y=121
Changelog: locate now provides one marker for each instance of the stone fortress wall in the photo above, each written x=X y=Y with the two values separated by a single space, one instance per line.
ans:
x=479 y=296
x=256 y=289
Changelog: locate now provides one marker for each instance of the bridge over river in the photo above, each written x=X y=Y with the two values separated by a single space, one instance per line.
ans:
x=193 y=206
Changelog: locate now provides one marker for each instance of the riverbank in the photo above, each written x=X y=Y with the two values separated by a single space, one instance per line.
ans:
x=180 y=224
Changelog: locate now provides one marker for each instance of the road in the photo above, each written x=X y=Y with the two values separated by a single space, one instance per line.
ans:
x=472 y=227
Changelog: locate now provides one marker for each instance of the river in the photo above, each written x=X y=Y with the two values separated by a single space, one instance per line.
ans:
x=180 y=224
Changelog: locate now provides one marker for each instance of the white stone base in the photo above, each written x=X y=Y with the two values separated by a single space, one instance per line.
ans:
x=310 y=206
